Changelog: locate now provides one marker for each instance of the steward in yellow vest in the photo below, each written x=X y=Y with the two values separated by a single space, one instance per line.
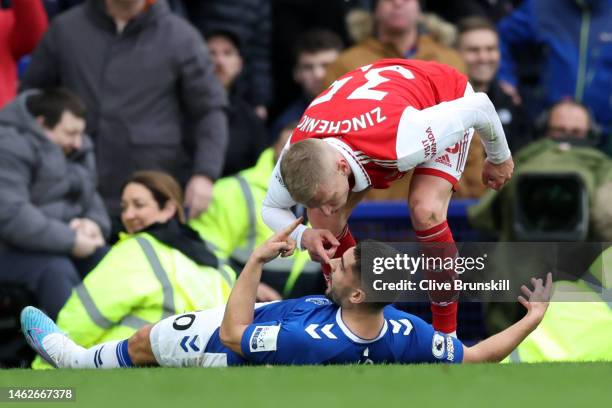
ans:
x=161 y=267
x=233 y=224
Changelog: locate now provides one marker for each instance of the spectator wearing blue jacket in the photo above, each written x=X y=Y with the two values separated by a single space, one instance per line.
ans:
x=576 y=36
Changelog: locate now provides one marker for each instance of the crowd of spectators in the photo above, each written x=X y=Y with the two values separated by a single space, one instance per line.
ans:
x=125 y=104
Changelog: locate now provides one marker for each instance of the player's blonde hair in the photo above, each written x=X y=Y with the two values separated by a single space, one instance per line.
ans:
x=304 y=168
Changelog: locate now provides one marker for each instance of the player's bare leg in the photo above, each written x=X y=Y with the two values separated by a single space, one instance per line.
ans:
x=337 y=224
x=429 y=199
x=139 y=347
x=153 y=344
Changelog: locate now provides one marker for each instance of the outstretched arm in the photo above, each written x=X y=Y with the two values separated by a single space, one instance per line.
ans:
x=499 y=346
x=477 y=111
x=241 y=303
x=442 y=125
x=447 y=123
x=276 y=208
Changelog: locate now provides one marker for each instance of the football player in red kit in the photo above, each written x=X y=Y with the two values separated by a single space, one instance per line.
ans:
x=368 y=129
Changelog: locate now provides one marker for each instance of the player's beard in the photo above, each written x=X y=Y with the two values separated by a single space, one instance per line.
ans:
x=336 y=294
x=331 y=295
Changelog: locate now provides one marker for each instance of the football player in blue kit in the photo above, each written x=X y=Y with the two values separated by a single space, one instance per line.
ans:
x=341 y=328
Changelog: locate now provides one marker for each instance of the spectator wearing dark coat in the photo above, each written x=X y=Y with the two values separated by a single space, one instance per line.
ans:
x=454 y=11
x=21 y=27
x=52 y=220
x=314 y=51
x=250 y=20
x=247 y=133
x=291 y=18
x=55 y=7
x=478 y=45
x=149 y=84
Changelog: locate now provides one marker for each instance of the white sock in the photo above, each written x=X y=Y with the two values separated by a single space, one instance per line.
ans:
x=111 y=354
x=68 y=354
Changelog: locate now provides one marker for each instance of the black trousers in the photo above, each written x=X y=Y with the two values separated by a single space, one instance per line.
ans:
x=49 y=278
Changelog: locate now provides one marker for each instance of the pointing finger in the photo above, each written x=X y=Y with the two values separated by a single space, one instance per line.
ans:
x=291 y=227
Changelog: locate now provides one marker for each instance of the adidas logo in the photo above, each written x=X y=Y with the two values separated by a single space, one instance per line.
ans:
x=444 y=160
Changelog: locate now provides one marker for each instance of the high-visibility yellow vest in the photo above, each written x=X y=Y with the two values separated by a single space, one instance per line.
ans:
x=140 y=281
x=233 y=222
x=578 y=330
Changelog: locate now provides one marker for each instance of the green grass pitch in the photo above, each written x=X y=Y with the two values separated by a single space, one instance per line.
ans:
x=489 y=385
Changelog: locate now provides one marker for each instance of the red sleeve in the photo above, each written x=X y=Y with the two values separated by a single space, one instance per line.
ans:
x=30 y=25
x=462 y=83
x=456 y=84
x=448 y=83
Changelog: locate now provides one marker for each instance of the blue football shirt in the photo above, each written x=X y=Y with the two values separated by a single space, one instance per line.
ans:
x=310 y=330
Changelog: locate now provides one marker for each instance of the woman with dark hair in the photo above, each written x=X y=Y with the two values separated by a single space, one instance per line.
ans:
x=158 y=268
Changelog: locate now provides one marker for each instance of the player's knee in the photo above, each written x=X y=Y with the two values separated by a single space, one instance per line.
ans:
x=139 y=346
x=426 y=214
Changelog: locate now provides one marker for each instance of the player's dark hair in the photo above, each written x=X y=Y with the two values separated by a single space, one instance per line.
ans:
x=375 y=249
x=317 y=40
x=374 y=4
x=227 y=34
x=474 y=23
x=163 y=187
x=51 y=103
